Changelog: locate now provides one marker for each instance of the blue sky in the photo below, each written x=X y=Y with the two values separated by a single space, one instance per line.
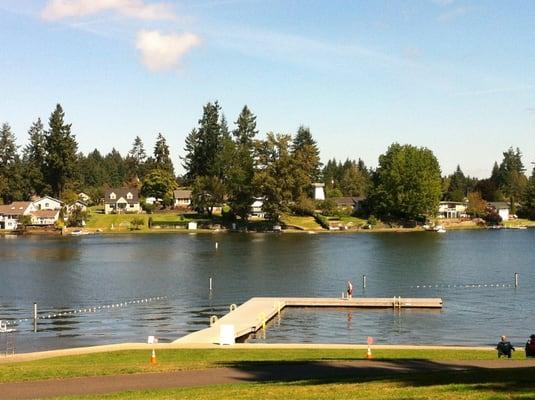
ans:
x=455 y=76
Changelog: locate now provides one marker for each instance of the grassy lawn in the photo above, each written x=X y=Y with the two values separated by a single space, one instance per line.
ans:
x=307 y=223
x=120 y=222
x=136 y=361
x=357 y=222
x=519 y=222
x=472 y=385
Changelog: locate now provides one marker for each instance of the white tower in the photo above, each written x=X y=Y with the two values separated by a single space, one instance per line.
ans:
x=319 y=191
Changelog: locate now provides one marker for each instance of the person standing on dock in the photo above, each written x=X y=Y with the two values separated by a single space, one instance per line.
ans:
x=349 y=290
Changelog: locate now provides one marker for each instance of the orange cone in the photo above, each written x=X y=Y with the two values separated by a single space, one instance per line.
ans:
x=153 y=357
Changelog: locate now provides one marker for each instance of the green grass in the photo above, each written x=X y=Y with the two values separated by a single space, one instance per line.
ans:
x=357 y=222
x=519 y=222
x=136 y=361
x=120 y=221
x=305 y=222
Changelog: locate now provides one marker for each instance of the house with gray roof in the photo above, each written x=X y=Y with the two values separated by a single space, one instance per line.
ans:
x=121 y=200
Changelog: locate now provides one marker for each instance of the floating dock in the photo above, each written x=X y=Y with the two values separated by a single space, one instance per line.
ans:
x=252 y=315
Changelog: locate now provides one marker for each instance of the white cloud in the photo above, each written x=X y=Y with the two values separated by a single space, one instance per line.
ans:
x=162 y=52
x=60 y=9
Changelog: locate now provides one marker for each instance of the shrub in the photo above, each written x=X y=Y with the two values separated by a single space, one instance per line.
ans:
x=372 y=220
x=322 y=220
x=137 y=222
x=328 y=207
x=304 y=206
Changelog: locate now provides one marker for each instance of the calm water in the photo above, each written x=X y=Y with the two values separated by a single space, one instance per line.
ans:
x=66 y=273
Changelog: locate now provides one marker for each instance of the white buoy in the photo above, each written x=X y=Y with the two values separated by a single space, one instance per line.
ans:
x=216 y=245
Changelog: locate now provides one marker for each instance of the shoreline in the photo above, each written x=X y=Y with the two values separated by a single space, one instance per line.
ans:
x=92 y=232
x=107 y=348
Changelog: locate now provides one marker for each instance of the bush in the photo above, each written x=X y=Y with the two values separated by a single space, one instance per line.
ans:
x=322 y=220
x=493 y=218
x=304 y=206
x=137 y=222
x=372 y=220
x=148 y=208
x=328 y=207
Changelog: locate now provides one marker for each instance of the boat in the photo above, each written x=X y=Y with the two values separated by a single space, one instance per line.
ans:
x=79 y=233
x=436 y=228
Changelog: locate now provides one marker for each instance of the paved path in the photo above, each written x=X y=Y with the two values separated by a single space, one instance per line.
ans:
x=247 y=372
x=255 y=312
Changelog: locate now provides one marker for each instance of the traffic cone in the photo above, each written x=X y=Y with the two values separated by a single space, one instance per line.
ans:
x=369 y=355
x=153 y=357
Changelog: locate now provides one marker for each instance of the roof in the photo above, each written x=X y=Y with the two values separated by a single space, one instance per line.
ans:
x=121 y=192
x=182 y=194
x=499 y=205
x=15 y=208
x=47 y=197
x=347 y=201
x=45 y=213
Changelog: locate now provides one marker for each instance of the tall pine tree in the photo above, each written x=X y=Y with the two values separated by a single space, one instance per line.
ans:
x=34 y=157
x=162 y=160
x=61 y=148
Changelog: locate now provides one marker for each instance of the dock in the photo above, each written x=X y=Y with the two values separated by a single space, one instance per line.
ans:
x=253 y=315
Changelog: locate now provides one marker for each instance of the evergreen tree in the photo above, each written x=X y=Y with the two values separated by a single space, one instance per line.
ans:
x=136 y=159
x=245 y=131
x=34 y=157
x=11 y=174
x=528 y=200
x=242 y=165
x=115 y=169
x=61 y=149
x=306 y=160
x=204 y=145
x=162 y=160
x=511 y=178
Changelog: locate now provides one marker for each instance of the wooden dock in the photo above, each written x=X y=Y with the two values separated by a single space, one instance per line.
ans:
x=252 y=315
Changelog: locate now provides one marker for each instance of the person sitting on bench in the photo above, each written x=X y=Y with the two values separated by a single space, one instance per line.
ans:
x=504 y=347
x=530 y=346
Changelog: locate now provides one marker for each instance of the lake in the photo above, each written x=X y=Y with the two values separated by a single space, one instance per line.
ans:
x=62 y=274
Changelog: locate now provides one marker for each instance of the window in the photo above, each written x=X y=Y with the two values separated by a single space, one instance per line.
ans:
x=129 y=196
x=112 y=196
x=131 y=206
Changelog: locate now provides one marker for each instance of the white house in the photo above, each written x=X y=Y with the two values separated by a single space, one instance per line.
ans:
x=16 y=209
x=182 y=198
x=501 y=208
x=452 y=209
x=45 y=217
x=77 y=204
x=47 y=203
x=7 y=223
x=319 y=191
x=121 y=200
x=256 y=209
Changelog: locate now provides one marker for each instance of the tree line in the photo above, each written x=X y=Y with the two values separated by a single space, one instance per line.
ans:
x=234 y=166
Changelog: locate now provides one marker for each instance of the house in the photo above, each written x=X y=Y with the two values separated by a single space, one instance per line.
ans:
x=452 y=209
x=121 y=200
x=256 y=209
x=501 y=208
x=319 y=191
x=45 y=217
x=16 y=209
x=78 y=204
x=182 y=198
x=352 y=202
x=7 y=223
x=84 y=197
x=47 y=203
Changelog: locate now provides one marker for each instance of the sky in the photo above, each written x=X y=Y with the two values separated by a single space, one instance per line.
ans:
x=455 y=76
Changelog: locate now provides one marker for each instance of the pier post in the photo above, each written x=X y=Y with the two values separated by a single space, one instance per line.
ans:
x=210 y=283
x=35 y=317
x=516 y=279
x=364 y=281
